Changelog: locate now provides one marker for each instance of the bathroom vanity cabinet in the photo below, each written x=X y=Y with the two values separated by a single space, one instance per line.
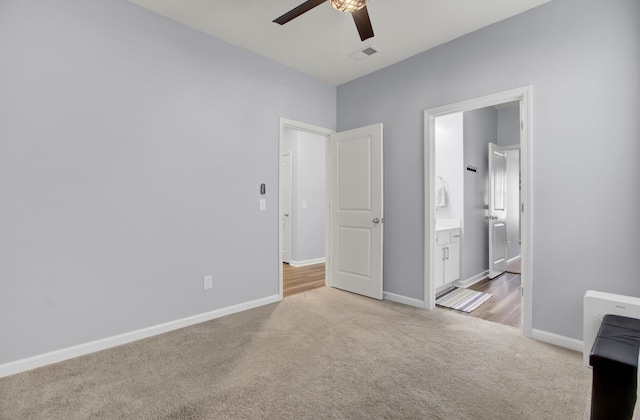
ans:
x=447 y=256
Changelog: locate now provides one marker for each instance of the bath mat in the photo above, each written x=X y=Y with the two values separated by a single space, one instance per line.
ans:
x=464 y=300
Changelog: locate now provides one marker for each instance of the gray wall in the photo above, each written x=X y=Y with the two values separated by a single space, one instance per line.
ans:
x=480 y=128
x=132 y=149
x=582 y=59
x=508 y=126
x=308 y=185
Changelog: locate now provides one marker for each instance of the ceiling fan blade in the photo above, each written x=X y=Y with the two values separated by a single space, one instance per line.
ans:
x=294 y=13
x=363 y=23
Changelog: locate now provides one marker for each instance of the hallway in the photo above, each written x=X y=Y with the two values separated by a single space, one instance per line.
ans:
x=301 y=279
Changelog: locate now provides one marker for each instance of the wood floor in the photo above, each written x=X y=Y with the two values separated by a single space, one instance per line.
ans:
x=300 y=279
x=504 y=306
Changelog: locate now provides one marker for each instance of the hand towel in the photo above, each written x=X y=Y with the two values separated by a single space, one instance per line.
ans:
x=440 y=192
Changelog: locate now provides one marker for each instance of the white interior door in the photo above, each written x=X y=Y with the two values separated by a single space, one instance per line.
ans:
x=497 y=211
x=285 y=211
x=356 y=213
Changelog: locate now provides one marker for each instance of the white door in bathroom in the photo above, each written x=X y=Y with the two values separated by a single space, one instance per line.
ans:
x=497 y=210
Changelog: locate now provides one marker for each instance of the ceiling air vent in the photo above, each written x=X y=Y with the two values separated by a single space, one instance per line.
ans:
x=363 y=53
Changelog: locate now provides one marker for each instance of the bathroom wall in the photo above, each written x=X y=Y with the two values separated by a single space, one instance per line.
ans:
x=480 y=128
x=508 y=126
x=449 y=164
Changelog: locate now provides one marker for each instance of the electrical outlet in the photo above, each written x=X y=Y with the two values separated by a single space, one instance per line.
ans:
x=208 y=282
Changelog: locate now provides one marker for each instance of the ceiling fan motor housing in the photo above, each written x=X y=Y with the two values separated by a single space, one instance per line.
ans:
x=349 y=6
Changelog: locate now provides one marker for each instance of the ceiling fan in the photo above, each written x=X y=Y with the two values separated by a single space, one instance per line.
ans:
x=357 y=8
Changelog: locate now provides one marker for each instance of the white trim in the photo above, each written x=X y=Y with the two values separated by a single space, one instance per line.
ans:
x=516 y=258
x=524 y=96
x=510 y=147
x=478 y=277
x=306 y=262
x=321 y=131
x=472 y=280
x=327 y=213
x=557 y=340
x=40 y=360
x=392 y=297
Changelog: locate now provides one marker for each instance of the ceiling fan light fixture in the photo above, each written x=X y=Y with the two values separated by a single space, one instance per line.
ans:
x=349 y=6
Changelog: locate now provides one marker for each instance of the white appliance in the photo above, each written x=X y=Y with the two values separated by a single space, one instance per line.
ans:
x=599 y=304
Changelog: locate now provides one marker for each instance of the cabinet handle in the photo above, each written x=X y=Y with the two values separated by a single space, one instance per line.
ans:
x=447 y=252
x=443 y=253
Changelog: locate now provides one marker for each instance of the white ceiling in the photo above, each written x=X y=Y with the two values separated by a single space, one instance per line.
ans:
x=319 y=42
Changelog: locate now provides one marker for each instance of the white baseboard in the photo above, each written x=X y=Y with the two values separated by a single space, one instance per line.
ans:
x=516 y=258
x=306 y=262
x=471 y=280
x=480 y=276
x=557 y=340
x=403 y=299
x=40 y=360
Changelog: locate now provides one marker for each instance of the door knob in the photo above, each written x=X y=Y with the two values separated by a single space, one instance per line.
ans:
x=376 y=220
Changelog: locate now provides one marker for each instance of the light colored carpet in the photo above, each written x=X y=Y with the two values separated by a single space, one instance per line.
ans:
x=318 y=355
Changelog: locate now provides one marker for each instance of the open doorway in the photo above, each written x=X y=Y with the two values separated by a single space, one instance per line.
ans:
x=475 y=219
x=477 y=166
x=303 y=207
x=353 y=207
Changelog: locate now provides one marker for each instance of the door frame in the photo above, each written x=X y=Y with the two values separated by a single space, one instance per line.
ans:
x=283 y=201
x=524 y=96
x=491 y=191
x=320 y=131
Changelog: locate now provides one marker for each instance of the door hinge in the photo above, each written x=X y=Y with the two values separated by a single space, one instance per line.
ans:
x=522 y=291
x=521 y=125
x=522 y=204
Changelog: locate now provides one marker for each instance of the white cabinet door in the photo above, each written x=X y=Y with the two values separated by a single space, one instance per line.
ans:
x=452 y=262
x=446 y=257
